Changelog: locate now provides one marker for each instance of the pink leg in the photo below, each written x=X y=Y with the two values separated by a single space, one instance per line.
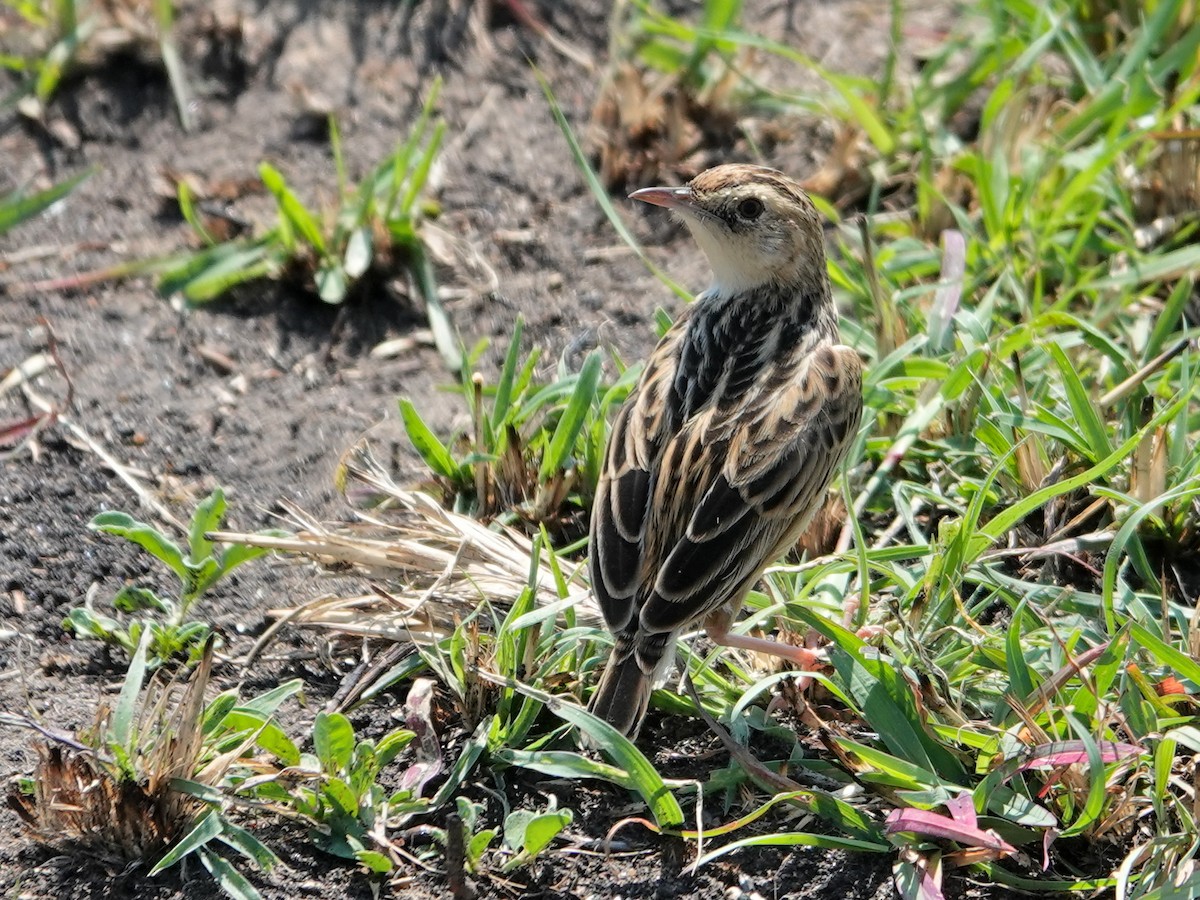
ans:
x=717 y=628
x=850 y=613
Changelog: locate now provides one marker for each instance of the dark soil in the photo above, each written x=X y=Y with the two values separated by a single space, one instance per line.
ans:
x=522 y=236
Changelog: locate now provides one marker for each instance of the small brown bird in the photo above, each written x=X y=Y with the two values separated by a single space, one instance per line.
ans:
x=728 y=443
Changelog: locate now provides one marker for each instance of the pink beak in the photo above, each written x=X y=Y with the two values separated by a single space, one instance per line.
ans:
x=671 y=198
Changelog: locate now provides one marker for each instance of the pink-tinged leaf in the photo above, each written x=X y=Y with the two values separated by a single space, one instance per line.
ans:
x=918 y=876
x=926 y=823
x=1070 y=753
x=962 y=810
x=1071 y=670
x=1049 y=836
x=12 y=433
x=417 y=719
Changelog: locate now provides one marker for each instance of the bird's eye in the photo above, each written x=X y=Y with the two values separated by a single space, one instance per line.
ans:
x=750 y=208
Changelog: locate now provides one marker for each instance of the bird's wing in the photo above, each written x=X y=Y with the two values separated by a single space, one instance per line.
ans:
x=642 y=429
x=743 y=486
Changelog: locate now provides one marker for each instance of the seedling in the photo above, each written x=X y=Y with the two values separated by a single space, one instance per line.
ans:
x=198 y=567
x=528 y=833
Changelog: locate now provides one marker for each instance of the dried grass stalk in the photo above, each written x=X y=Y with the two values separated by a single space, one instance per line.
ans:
x=427 y=568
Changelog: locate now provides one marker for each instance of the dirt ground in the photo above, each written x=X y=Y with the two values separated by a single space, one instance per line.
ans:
x=522 y=235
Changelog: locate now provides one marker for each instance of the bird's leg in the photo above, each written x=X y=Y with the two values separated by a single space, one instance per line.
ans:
x=717 y=627
x=850 y=613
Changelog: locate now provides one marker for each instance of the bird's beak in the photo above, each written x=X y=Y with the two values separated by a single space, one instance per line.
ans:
x=671 y=198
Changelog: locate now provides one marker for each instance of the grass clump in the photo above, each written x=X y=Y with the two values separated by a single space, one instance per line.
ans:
x=671 y=90
x=51 y=41
x=142 y=786
x=535 y=447
x=370 y=230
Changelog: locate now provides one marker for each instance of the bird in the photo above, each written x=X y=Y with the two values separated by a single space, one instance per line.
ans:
x=728 y=442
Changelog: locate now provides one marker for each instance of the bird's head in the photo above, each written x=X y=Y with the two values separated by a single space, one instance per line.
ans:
x=755 y=225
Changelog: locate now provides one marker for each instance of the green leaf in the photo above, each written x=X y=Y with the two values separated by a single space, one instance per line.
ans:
x=445 y=336
x=341 y=796
x=1182 y=663
x=374 y=861
x=564 y=764
x=331 y=282
x=504 y=387
x=477 y=845
x=268 y=702
x=435 y=454
x=235 y=555
x=228 y=879
x=514 y=828
x=217 y=710
x=207 y=827
x=247 y=845
x=1086 y=415
x=291 y=208
x=642 y=774
x=87 y=624
x=15 y=209
x=133 y=599
x=358 y=252
x=268 y=735
x=562 y=444
x=391 y=744
x=145 y=536
x=208 y=517
x=333 y=741
x=125 y=713
x=210 y=273
x=542 y=829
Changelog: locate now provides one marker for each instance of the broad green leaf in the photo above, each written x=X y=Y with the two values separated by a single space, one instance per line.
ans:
x=208 y=517
x=331 y=282
x=228 y=879
x=374 y=861
x=145 y=536
x=333 y=741
x=359 y=251
x=433 y=451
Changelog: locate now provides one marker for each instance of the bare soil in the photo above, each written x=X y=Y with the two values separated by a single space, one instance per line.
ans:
x=520 y=234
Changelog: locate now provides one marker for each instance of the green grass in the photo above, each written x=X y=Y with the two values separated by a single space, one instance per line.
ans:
x=21 y=206
x=1026 y=484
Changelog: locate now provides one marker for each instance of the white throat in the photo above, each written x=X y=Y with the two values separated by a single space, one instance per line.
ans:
x=734 y=272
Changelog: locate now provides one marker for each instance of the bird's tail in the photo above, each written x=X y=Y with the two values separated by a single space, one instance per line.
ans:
x=623 y=695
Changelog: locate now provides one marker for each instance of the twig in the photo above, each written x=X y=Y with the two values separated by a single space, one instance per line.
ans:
x=456 y=869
